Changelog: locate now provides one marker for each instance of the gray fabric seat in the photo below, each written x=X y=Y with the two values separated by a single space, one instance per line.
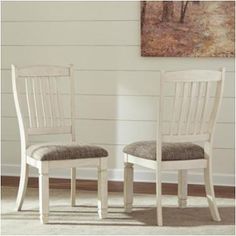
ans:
x=170 y=151
x=64 y=151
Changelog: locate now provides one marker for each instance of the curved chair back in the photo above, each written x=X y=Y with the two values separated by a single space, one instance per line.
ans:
x=188 y=112
x=39 y=93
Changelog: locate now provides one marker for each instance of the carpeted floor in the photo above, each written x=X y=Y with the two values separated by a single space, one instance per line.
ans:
x=83 y=219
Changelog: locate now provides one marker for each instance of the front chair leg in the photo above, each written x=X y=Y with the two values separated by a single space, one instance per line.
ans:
x=128 y=187
x=43 y=192
x=102 y=188
x=73 y=186
x=182 y=188
x=158 y=197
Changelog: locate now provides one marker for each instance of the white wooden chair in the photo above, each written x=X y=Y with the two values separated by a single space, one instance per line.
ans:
x=185 y=116
x=41 y=111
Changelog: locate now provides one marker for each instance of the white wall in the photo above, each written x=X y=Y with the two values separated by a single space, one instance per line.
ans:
x=116 y=87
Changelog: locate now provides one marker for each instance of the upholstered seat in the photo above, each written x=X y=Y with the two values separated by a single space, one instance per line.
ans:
x=64 y=151
x=170 y=151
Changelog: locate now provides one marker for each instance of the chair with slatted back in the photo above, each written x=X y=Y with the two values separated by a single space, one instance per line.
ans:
x=45 y=110
x=187 y=110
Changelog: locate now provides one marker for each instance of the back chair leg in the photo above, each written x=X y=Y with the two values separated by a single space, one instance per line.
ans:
x=43 y=192
x=158 y=198
x=128 y=187
x=73 y=187
x=102 y=188
x=210 y=194
x=182 y=188
x=23 y=185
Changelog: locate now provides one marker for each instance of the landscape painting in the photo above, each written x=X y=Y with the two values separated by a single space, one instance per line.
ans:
x=188 y=28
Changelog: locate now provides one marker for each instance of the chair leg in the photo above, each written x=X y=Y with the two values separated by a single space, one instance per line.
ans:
x=158 y=198
x=182 y=188
x=210 y=194
x=102 y=188
x=22 y=185
x=73 y=186
x=43 y=192
x=128 y=187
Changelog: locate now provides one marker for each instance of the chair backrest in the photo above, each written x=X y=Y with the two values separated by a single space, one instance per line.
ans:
x=39 y=100
x=189 y=108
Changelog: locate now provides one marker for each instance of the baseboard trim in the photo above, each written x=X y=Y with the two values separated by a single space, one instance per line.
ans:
x=140 y=175
x=117 y=186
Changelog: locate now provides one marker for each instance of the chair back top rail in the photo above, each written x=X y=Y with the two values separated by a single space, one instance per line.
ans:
x=192 y=75
x=43 y=71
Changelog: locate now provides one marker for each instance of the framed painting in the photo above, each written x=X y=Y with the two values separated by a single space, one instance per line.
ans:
x=188 y=28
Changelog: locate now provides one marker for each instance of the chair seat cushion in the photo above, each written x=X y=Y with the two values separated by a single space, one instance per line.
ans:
x=64 y=151
x=170 y=151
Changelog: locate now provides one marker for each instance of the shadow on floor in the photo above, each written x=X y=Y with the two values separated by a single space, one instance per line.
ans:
x=191 y=216
x=172 y=216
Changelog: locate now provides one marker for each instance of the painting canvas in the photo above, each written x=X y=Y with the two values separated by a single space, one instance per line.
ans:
x=188 y=28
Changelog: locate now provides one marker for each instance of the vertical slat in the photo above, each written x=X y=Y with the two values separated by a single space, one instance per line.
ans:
x=215 y=106
x=191 y=106
x=35 y=102
x=49 y=101
x=56 y=105
x=198 y=108
x=48 y=113
x=205 y=107
x=177 y=94
x=182 y=106
x=51 y=96
x=72 y=87
x=60 y=104
x=43 y=103
x=28 y=102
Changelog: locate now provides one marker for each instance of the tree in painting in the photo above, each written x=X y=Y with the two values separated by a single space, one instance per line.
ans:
x=183 y=10
x=188 y=28
x=167 y=11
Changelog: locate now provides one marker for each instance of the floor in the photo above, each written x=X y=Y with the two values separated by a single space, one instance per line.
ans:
x=83 y=219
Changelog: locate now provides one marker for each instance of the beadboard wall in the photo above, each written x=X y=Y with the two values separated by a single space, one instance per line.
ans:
x=116 y=88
